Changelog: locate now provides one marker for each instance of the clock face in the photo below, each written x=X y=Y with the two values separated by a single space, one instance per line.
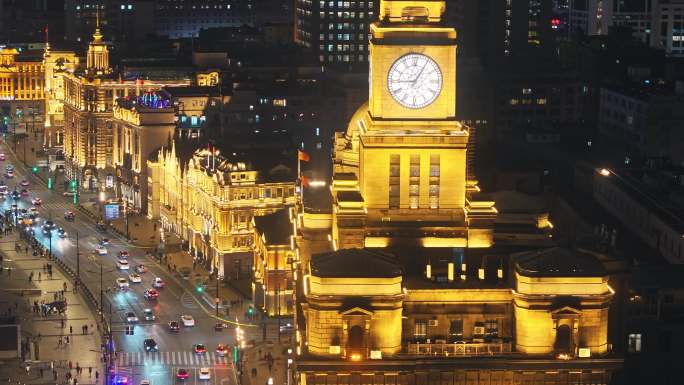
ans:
x=414 y=80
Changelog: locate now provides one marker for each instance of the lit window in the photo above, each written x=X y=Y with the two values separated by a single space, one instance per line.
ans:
x=634 y=343
x=541 y=101
x=318 y=131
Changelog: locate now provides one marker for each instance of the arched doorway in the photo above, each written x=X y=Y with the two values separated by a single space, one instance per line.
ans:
x=564 y=343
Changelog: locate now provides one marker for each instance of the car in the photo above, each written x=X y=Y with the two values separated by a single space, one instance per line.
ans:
x=134 y=278
x=150 y=345
x=101 y=250
x=36 y=201
x=46 y=232
x=3 y=156
x=62 y=233
x=122 y=283
x=221 y=350
x=174 y=326
x=182 y=374
x=104 y=241
x=69 y=193
x=120 y=380
x=101 y=227
x=200 y=349
x=15 y=195
x=204 y=374
x=69 y=215
x=30 y=231
x=122 y=264
x=185 y=272
x=219 y=326
x=141 y=269
x=287 y=328
x=131 y=317
x=24 y=192
x=187 y=320
x=24 y=183
x=9 y=167
x=50 y=225
x=9 y=174
x=145 y=382
x=151 y=294
x=148 y=314
x=158 y=283
x=123 y=254
x=33 y=210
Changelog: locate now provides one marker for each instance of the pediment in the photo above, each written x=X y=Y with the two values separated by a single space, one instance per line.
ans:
x=356 y=311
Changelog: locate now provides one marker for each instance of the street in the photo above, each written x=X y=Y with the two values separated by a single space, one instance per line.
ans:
x=175 y=299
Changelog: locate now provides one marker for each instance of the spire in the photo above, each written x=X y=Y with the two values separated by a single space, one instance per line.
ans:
x=97 y=35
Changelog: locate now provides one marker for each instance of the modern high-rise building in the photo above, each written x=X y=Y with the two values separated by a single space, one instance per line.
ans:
x=336 y=32
x=596 y=17
x=184 y=19
x=417 y=281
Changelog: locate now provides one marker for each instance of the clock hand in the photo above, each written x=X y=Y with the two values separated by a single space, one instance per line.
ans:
x=420 y=73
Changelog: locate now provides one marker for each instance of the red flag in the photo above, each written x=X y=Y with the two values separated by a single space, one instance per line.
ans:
x=305 y=181
x=303 y=156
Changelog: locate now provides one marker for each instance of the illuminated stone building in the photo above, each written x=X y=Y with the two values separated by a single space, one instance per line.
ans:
x=209 y=200
x=90 y=95
x=274 y=253
x=414 y=287
x=141 y=125
x=22 y=91
x=56 y=63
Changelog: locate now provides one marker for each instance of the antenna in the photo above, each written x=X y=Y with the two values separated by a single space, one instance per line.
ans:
x=97 y=16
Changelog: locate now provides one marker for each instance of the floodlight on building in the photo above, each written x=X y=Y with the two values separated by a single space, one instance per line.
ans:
x=604 y=172
x=317 y=183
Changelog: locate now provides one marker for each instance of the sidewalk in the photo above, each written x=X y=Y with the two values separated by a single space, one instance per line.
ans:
x=264 y=361
x=44 y=332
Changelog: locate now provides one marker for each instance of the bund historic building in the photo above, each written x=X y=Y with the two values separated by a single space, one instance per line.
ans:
x=415 y=287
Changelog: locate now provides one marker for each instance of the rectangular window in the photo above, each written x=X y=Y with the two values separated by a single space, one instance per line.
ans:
x=456 y=330
x=420 y=331
x=434 y=181
x=634 y=343
x=394 y=181
x=414 y=182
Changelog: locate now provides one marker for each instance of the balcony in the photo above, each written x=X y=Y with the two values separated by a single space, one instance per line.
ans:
x=460 y=348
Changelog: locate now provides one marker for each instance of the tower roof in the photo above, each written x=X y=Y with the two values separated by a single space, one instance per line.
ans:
x=558 y=262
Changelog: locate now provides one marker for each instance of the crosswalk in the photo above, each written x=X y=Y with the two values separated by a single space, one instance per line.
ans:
x=185 y=358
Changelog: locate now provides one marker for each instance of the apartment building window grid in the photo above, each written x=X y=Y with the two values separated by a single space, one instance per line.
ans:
x=434 y=181
x=394 y=181
x=414 y=181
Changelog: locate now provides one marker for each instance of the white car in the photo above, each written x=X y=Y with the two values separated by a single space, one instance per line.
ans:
x=122 y=264
x=135 y=278
x=145 y=382
x=204 y=374
x=131 y=317
x=158 y=283
x=187 y=320
x=101 y=250
x=122 y=283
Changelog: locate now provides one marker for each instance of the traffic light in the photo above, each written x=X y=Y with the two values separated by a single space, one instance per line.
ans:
x=236 y=354
x=73 y=183
x=34 y=169
x=199 y=289
x=50 y=183
x=250 y=311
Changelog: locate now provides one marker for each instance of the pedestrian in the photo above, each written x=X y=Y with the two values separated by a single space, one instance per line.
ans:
x=68 y=341
x=64 y=285
x=71 y=329
x=59 y=341
x=54 y=375
x=97 y=375
x=90 y=371
x=78 y=368
x=28 y=369
x=39 y=276
x=41 y=372
x=71 y=365
x=62 y=323
x=52 y=365
x=86 y=328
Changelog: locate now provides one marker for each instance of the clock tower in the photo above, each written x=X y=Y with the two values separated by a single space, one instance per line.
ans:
x=400 y=170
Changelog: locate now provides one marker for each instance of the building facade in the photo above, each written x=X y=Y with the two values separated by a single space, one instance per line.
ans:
x=336 y=32
x=413 y=285
x=90 y=94
x=56 y=64
x=140 y=127
x=209 y=202
x=22 y=92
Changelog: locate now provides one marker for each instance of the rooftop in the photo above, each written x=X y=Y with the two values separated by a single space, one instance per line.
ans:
x=276 y=227
x=558 y=262
x=355 y=263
